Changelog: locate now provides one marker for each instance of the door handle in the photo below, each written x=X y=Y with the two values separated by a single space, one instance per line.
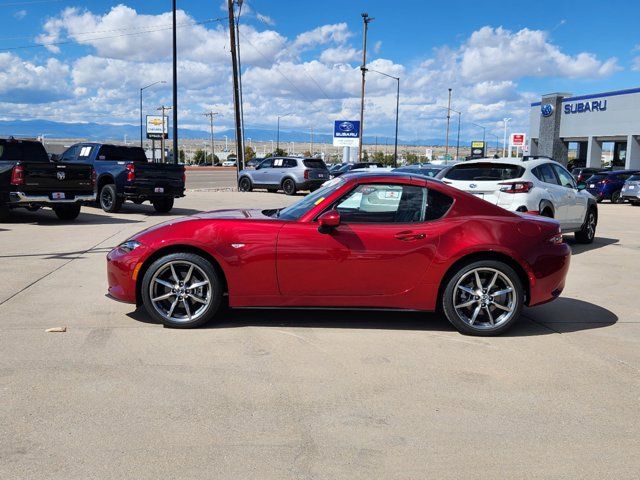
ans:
x=408 y=235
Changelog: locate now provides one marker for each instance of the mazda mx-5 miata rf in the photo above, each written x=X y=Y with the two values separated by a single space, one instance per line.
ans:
x=370 y=241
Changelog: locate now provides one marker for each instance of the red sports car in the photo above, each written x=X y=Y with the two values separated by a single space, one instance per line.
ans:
x=392 y=241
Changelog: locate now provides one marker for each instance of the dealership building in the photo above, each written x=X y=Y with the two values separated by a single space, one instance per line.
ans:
x=588 y=122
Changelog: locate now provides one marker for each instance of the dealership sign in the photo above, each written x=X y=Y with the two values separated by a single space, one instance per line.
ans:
x=546 y=110
x=518 y=139
x=346 y=133
x=477 y=149
x=583 y=107
x=156 y=127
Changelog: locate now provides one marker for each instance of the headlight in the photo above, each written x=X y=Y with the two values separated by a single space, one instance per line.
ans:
x=129 y=246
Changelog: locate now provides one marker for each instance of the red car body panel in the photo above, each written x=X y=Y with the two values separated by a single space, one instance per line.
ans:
x=269 y=262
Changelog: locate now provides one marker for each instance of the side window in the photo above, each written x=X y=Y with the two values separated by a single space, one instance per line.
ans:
x=70 y=154
x=545 y=174
x=383 y=203
x=84 y=154
x=290 y=163
x=266 y=164
x=278 y=163
x=566 y=179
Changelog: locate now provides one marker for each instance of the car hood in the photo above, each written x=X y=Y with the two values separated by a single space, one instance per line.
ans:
x=241 y=213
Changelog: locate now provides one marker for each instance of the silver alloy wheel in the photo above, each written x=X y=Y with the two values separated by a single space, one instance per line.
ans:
x=591 y=225
x=484 y=298
x=180 y=291
x=106 y=199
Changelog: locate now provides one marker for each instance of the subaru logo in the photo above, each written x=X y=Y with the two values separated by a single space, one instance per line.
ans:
x=546 y=110
x=61 y=175
x=472 y=185
x=346 y=127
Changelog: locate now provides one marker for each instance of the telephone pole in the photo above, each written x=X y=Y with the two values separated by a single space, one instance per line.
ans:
x=175 y=89
x=446 y=145
x=162 y=156
x=211 y=114
x=363 y=68
x=236 y=86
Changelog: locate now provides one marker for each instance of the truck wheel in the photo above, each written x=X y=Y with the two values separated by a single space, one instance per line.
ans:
x=67 y=212
x=109 y=200
x=163 y=205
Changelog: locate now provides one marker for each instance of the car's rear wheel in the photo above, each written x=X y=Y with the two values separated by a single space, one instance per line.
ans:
x=181 y=290
x=163 y=205
x=483 y=298
x=588 y=231
x=108 y=198
x=616 y=197
x=244 y=185
x=289 y=186
x=67 y=212
x=546 y=212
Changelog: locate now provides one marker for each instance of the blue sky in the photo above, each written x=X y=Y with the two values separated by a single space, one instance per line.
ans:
x=302 y=58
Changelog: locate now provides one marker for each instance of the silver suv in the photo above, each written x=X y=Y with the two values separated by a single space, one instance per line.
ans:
x=286 y=174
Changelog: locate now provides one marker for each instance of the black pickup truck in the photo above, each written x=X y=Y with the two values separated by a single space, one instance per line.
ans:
x=124 y=173
x=29 y=180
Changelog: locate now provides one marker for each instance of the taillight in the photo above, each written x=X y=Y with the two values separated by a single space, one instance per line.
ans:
x=131 y=172
x=306 y=174
x=94 y=177
x=557 y=239
x=17 y=175
x=516 y=187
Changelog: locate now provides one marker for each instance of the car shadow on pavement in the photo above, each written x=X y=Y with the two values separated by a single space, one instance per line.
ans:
x=147 y=209
x=598 y=242
x=73 y=255
x=47 y=217
x=561 y=316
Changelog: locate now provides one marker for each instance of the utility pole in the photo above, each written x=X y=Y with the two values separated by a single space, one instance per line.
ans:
x=236 y=86
x=504 y=142
x=458 y=142
x=311 y=149
x=211 y=114
x=363 y=68
x=163 y=109
x=446 y=145
x=175 y=89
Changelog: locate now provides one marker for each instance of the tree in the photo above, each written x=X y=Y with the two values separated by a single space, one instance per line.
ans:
x=181 y=155
x=249 y=153
x=365 y=156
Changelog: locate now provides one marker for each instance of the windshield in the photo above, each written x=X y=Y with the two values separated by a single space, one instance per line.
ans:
x=634 y=178
x=295 y=211
x=485 y=171
x=596 y=178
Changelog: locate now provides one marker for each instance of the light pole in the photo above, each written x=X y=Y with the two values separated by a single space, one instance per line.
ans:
x=484 y=131
x=363 y=68
x=226 y=147
x=395 y=148
x=497 y=141
x=211 y=115
x=446 y=144
x=162 y=155
x=278 y=134
x=141 y=90
x=458 y=140
x=175 y=87
x=272 y=151
x=449 y=110
x=504 y=141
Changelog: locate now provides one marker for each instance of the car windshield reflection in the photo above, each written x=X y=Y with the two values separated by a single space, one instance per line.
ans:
x=298 y=209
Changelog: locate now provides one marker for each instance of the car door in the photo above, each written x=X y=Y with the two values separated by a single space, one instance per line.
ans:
x=557 y=194
x=383 y=246
x=576 y=204
x=260 y=176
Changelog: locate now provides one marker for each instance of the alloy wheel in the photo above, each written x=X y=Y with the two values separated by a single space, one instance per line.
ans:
x=591 y=225
x=484 y=298
x=106 y=199
x=180 y=291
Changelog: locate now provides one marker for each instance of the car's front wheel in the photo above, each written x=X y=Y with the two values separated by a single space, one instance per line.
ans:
x=483 y=298
x=181 y=290
x=245 y=184
x=588 y=231
x=616 y=197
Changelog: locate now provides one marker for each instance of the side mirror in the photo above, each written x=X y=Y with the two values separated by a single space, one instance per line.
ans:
x=328 y=221
x=581 y=186
x=55 y=157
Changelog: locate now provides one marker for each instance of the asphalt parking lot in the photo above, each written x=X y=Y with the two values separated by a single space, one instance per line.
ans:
x=211 y=178
x=308 y=394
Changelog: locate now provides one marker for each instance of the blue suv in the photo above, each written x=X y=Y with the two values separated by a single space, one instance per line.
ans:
x=608 y=185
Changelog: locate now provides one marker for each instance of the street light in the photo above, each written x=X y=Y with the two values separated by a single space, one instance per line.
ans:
x=497 y=141
x=397 y=79
x=278 y=134
x=484 y=131
x=144 y=88
x=449 y=110
x=504 y=142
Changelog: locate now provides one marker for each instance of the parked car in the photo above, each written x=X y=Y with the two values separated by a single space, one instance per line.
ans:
x=28 y=179
x=539 y=186
x=608 y=185
x=348 y=167
x=229 y=163
x=125 y=174
x=285 y=173
x=425 y=169
x=581 y=174
x=364 y=240
x=631 y=190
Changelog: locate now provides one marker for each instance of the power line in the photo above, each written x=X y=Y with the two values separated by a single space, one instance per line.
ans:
x=17 y=4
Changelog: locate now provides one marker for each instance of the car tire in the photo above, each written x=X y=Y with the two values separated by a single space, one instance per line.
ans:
x=4 y=213
x=546 y=212
x=588 y=231
x=473 y=311
x=244 y=184
x=289 y=186
x=163 y=205
x=634 y=203
x=109 y=200
x=67 y=212
x=170 y=302
x=616 y=197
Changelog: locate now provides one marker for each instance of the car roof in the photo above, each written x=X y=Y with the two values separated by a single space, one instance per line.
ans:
x=529 y=163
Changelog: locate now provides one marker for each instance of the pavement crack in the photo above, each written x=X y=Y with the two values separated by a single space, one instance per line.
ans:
x=27 y=287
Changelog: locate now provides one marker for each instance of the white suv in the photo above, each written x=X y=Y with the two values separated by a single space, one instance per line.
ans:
x=537 y=185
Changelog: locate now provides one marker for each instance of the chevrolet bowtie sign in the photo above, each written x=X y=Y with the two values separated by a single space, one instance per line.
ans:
x=156 y=127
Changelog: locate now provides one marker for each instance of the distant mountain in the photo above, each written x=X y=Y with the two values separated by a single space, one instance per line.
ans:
x=98 y=131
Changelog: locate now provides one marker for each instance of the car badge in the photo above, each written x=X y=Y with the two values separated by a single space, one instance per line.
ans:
x=472 y=185
x=61 y=175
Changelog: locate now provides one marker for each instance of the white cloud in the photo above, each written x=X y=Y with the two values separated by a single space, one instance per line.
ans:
x=635 y=64
x=20 y=14
x=339 y=55
x=336 y=33
x=22 y=81
x=497 y=53
x=266 y=19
